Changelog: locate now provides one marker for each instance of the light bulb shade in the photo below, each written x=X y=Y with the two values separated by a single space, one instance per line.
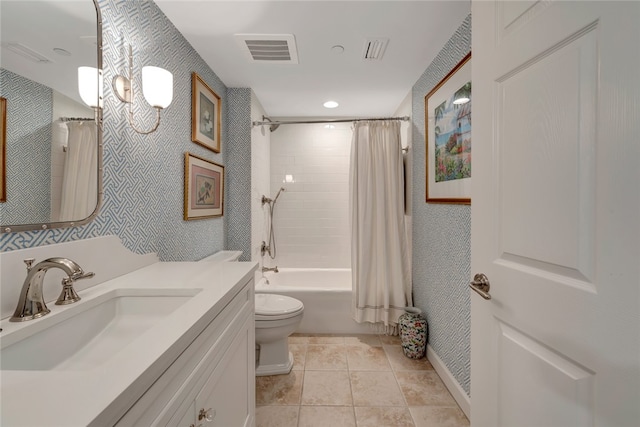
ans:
x=157 y=86
x=90 y=86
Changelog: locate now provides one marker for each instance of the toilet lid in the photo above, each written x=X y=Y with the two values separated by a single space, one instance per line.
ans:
x=271 y=306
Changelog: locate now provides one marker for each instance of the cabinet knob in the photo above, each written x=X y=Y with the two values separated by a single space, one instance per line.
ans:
x=207 y=415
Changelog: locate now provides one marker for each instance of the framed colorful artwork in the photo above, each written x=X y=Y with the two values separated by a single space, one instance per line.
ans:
x=203 y=188
x=206 y=114
x=448 y=137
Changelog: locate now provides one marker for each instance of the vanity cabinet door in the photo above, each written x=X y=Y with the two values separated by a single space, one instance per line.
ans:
x=228 y=396
x=189 y=418
x=170 y=401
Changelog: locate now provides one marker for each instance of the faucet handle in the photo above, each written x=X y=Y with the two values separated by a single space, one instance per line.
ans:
x=68 y=294
x=83 y=275
x=29 y=262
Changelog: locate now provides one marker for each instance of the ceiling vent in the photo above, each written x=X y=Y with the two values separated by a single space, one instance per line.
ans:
x=374 y=48
x=273 y=48
x=27 y=52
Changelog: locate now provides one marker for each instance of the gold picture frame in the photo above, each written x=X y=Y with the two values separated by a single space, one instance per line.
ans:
x=206 y=114
x=447 y=109
x=3 y=149
x=203 y=188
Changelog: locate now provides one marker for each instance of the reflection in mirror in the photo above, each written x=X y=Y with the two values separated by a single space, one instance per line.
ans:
x=53 y=139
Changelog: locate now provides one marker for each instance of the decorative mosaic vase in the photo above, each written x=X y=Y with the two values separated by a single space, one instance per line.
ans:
x=413 y=333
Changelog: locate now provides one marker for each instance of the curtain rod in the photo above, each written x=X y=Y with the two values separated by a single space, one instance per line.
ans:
x=267 y=121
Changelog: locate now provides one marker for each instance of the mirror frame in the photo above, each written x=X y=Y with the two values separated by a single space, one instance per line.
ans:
x=98 y=119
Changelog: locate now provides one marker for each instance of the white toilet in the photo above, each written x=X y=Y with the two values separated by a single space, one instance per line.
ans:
x=277 y=317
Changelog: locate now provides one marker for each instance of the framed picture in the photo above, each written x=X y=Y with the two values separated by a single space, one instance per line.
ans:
x=205 y=114
x=203 y=188
x=448 y=137
x=3 y=150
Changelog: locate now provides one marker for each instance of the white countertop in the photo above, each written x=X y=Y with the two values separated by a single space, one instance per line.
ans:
x=102 y=395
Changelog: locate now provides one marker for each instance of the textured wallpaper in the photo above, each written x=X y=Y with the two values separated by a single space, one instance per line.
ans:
x=30 y=111
x=442 y=235
x=143 y=174
x=238 y=171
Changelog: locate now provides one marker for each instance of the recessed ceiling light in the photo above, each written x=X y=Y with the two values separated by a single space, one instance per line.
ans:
x=337 y=49
x=330 y=104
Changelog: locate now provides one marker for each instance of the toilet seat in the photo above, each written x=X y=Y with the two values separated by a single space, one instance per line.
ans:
x=271 y=307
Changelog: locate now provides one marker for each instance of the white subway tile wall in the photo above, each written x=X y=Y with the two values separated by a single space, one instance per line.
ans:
x=260 y=147
x=311 y=218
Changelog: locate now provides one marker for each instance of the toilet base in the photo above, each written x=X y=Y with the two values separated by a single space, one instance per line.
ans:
x=275 y=369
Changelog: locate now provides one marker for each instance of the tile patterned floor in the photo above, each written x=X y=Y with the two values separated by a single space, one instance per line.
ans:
x=355 y=381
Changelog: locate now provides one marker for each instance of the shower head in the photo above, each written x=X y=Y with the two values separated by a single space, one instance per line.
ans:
x=278 y=194
x=266 y=200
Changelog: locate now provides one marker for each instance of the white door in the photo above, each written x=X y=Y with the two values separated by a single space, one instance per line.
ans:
x=556 y=214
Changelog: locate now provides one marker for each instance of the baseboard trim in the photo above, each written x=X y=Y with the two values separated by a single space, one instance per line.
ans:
x=450 y=382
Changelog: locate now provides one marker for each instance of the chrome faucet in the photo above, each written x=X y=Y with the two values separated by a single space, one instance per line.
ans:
x=274 y=269
x=31 y=303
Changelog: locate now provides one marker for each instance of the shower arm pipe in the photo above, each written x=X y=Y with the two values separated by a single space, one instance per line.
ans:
x=266 y=121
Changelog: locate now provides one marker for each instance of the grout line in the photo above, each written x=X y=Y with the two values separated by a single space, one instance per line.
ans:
x=349 y=371
x=353 y=401
x=304 y=375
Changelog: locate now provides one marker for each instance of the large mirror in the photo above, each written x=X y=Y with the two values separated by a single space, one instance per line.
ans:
x=52 y=173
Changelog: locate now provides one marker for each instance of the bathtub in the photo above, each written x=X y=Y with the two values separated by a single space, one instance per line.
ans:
x=325 y=293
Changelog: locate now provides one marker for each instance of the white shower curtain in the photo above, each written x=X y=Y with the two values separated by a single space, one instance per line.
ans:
x=381 y=274
x=80 y=180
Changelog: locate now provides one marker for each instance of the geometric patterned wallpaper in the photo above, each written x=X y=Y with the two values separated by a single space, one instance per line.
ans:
x=442 y=235
x=144 y=174
x=238 y=172
x=29 y=158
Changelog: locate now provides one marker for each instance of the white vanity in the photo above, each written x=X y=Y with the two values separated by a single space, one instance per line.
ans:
x=168 y=344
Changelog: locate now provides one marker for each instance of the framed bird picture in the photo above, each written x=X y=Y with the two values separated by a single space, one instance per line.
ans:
x=206 y=111
x=203 y=188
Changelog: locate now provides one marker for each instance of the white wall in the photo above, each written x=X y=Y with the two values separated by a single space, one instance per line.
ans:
x=311 y=218
x=260 y=161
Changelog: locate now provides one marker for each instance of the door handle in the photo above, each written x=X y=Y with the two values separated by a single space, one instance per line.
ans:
x=480 y=284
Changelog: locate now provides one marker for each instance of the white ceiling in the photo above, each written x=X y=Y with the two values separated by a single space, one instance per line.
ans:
x=43 y=26
x=417 y=31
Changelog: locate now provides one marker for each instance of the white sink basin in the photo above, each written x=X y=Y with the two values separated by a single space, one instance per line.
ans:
x=88 y=333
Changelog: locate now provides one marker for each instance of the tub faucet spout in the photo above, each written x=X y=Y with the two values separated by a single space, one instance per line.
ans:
x=274 y=269
x=31 y=303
